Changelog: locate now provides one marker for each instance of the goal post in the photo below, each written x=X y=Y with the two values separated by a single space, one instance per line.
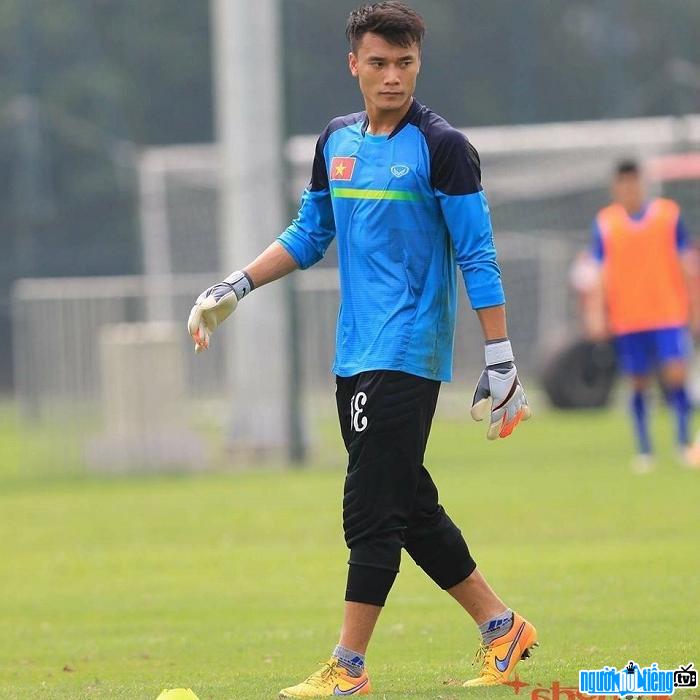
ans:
x=544 y=183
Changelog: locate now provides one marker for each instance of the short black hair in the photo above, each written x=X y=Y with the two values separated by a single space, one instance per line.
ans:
x=627 y=167
x=394 y=21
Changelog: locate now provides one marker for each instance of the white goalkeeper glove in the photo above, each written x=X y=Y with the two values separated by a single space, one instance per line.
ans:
x=499 y=393
x=214 y=305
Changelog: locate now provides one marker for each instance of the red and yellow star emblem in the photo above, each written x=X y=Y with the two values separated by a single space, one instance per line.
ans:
x=342 y=168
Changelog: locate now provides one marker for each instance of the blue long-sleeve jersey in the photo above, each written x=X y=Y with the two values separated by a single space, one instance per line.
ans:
x=407 y=210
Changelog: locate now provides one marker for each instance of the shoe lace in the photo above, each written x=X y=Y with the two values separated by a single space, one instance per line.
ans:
x=483 y=658
x=327 y=671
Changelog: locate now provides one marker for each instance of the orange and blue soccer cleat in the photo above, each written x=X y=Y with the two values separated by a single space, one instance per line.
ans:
x=498 y=659
x=332 y=679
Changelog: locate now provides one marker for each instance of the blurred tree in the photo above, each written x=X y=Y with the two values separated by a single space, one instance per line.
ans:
x=89 y=82
x=509 y=61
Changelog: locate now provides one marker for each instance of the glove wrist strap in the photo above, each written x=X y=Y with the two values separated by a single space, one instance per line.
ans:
x=498 y=351
x=241 y=284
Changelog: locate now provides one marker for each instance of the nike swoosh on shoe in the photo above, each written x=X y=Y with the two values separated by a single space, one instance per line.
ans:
x=338 y=691
x=502 y=664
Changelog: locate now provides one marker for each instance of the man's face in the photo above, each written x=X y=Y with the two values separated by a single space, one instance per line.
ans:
x=387 y=73
x=628 y=190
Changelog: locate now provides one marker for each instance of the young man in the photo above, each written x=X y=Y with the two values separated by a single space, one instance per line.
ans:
x=642 y=247
x=400 y=190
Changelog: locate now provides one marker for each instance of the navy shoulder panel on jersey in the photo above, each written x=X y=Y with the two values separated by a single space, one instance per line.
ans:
x=455 y=168
x=340 y=123
x=319 y=174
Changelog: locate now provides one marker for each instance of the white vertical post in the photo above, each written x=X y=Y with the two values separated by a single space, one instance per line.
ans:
x=249 y=127
x=157 y=263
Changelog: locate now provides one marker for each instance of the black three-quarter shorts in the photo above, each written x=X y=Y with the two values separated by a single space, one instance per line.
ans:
x=390 y=501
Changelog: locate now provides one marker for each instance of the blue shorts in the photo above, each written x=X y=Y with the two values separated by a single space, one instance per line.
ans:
x=640 y=353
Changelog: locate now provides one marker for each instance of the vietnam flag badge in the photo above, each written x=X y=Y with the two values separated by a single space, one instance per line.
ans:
x=342 y=168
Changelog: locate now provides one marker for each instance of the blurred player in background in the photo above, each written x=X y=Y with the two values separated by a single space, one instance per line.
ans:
x=401 y=191
x=646 y=260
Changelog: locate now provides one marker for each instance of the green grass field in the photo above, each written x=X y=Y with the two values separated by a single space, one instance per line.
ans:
x=232 y=584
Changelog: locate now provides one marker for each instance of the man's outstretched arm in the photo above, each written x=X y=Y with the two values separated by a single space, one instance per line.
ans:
x=302 y=244
x=272 y=264
x=215 y=304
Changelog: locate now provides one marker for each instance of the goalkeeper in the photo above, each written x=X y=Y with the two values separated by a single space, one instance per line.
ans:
x=400 y=190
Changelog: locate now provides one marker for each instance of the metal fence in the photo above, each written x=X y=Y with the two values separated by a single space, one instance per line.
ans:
x=63 y=380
